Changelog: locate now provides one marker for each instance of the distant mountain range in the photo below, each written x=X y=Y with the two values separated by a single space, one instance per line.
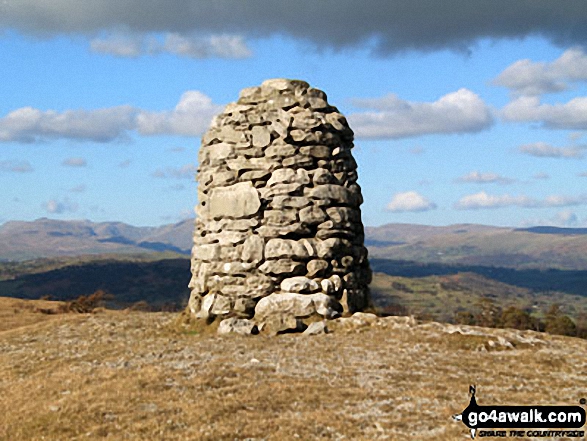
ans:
x=52 y=238
x=466 y=244
x=536 y=247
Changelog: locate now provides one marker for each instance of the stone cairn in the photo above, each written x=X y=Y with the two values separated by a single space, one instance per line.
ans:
x=278 y=241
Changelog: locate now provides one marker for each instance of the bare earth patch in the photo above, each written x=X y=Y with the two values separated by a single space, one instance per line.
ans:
x=134 y=376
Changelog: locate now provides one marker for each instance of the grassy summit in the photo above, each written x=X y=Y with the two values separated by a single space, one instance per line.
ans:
x=135 y=375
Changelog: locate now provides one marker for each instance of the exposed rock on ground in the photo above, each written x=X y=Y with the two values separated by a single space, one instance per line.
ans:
x=132 y=376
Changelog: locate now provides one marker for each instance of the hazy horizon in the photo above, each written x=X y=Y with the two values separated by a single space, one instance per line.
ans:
x=365 y=225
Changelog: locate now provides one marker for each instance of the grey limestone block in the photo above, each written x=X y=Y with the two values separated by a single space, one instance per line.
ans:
x=278 y=237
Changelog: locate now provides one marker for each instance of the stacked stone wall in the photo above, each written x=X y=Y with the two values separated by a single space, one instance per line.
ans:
x=278 y=227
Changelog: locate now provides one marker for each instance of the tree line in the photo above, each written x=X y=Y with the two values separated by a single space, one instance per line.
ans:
x=554 y=321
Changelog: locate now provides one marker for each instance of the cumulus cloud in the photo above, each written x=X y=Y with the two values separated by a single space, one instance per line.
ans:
x=567 y=218
x=485 y=178
x=526 y=77
x=410 y=201
x=563 y=201
x=544 y=150
x=187 y=171
x=393 y=25
x=132 y=45
x=219 y=46
x=29 y=125
x=457 y=112
x=16 y=166
x=571 y=115
x=74 y=162
x=190 y=117
x=564 y=219
x=482 y=200
x=55 y=206
x=119 y=45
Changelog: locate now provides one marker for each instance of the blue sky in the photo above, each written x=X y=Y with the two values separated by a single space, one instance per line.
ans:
x=461 y=114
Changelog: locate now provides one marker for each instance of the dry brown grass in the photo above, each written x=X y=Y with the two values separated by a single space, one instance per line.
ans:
x=16 y=313
x=133 y=376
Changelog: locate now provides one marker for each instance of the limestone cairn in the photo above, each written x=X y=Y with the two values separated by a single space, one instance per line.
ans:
x=278 y=235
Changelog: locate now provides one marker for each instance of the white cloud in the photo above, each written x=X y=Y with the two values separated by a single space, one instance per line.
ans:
x=567 y=218
x=571 y=115
x=563 y=201
x=74 y=162
x=220 y=46
x=133 y=45
x=482 y=200
x=563 y=219
x=16 y=166
x=410 y=201
x=457 y=112
x=55 y=206
x=187 y=171
x=485 y=178
x=526 y=77
x=544 y=150
x=33 y=125
x=191 y=117
x=119 y=45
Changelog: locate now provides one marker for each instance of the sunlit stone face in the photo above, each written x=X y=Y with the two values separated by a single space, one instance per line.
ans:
x=278 y=229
